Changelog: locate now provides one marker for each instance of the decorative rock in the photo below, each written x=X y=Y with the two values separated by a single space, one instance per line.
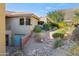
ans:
x=75 y=34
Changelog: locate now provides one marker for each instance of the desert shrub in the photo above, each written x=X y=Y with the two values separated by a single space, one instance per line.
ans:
x=74 y=50
x=56 y=35
x=57 y=43
x=37 y=29
x=61 y=24
x=46 y=26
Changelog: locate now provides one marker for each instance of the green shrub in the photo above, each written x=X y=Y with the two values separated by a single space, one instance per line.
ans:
x=46 y=26
x=57 y=43
x=37 y=29
x=58 y=35
x=54 y=25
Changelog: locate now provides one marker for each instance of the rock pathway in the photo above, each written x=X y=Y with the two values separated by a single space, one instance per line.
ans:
x=33 y=48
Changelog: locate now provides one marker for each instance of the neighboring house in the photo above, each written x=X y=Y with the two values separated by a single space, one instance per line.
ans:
x=44 y=19
x=19 y=24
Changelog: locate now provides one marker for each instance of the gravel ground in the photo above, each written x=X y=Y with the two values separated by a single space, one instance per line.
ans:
x=13 y=51
x=33 y=48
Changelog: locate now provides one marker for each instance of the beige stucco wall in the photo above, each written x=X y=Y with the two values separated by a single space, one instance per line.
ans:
x=2 y=29
x=21 y=29
x=34 y=21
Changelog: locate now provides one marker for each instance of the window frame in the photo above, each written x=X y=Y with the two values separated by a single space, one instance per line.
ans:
x=28 y=21
x=21 y=20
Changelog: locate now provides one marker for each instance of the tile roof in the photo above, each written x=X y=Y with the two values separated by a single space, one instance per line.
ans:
x=15 y=14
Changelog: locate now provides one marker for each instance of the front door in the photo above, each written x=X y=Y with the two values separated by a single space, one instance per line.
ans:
x=17 y=41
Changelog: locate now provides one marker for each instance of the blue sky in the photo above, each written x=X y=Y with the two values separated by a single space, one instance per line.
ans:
x=40 y=9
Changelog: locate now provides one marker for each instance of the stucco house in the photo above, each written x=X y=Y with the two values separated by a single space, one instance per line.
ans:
x=44 y=19
x=18 y=25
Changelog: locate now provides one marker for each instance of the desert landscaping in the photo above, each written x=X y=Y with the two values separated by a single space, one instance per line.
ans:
x=59 y=36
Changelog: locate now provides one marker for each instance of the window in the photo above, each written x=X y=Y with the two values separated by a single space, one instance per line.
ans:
x=21 y=21
x=27 y=21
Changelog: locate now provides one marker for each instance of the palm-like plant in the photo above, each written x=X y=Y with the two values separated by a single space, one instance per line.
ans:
x=56 y=16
